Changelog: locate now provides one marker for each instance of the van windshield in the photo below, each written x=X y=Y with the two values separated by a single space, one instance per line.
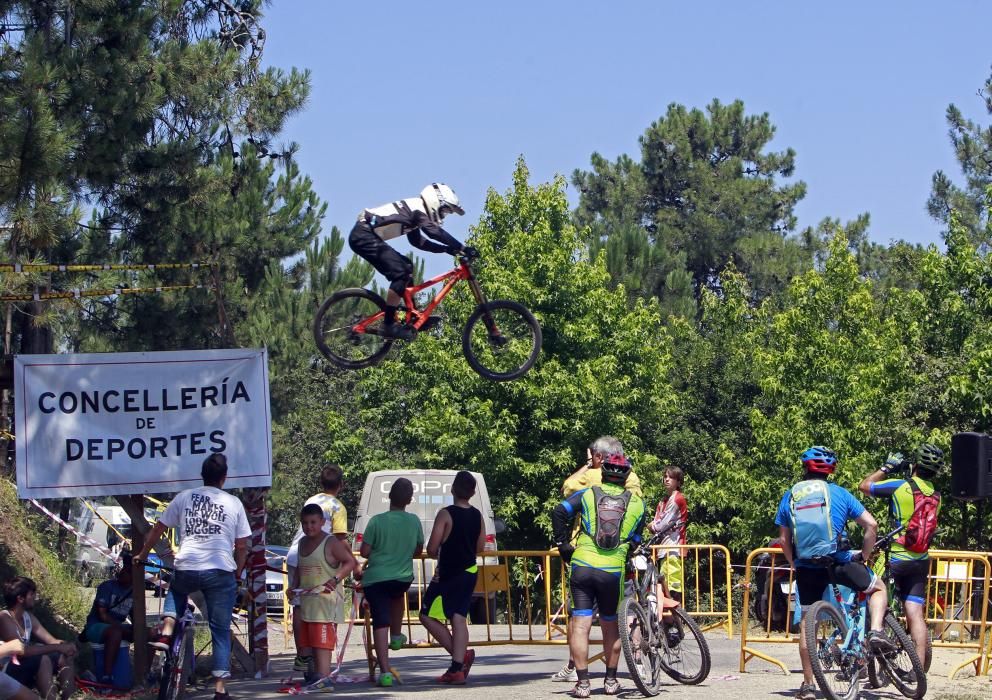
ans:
x=431 y=493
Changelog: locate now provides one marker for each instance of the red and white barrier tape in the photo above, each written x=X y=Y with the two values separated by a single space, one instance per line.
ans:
x=116 y=558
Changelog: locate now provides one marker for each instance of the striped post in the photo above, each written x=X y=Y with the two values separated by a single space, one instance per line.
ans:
x=258 y=520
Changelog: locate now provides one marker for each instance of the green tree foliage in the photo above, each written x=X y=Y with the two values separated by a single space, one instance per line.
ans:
x=972 y=143
x=600 y=372
x=159 y=118
x=706 y=192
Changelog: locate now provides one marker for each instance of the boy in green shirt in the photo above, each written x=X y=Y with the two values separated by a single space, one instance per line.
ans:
x=390 y=543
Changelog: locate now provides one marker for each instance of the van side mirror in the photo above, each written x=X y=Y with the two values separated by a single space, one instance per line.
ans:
x=499 y=525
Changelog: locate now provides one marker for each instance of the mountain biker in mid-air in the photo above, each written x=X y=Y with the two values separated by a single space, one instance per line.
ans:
x=413 y=217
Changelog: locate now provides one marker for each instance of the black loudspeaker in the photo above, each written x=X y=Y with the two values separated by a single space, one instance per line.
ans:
x=971 y=466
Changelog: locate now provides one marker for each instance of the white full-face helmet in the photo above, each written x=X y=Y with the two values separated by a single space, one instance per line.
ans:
x=440 y=201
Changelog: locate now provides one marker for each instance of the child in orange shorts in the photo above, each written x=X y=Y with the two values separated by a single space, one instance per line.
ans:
x=324 y=561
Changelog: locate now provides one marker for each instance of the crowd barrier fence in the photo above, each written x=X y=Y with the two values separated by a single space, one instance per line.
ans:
x=957 y=602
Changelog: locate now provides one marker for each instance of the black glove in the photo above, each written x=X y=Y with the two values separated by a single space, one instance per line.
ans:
x=455 y=249
x=470 y=252
x=566 y=551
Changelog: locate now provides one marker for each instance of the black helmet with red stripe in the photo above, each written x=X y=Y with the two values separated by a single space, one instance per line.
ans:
x=615 y=468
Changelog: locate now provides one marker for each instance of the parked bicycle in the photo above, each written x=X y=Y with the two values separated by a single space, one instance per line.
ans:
x=658 y=635
x=177 y=668
x=841 y=659
x=501 y=339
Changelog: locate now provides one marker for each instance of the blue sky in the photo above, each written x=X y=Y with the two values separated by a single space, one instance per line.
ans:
x=408 y=93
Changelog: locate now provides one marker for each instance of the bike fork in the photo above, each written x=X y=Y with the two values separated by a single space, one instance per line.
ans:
x=480 y=299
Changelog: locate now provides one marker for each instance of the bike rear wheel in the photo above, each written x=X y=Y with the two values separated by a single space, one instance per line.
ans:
x=836 y=669
x=505 y=344
x=340 y=333
x=902 y=666
x=640 y=648
x=176 y=669
x=688 y=661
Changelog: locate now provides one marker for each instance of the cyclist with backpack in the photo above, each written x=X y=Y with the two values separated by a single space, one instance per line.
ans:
x=611 y=518
x=588 y=475
x=413 y=218
x=812 y=518
x=915 y=503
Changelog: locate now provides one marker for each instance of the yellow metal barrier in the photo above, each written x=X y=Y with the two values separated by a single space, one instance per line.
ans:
x=522 y=597
x=767 y=634
x=706 y=586
x=958 y=584
x=519 y=600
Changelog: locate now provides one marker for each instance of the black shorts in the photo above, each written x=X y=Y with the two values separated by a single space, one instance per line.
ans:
x=393 y=266
x=26 y=672
x=448 y=597
x=911 y=579
x=813 y=581
x=380 y=596
x=594 y=587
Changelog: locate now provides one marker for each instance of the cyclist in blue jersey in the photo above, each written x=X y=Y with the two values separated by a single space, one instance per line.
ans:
x=813 y=577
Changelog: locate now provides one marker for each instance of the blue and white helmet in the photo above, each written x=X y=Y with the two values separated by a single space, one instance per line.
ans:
x=440 y=201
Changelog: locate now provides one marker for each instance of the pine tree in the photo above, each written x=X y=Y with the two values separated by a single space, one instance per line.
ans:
x=705 y=192
x=972 y=144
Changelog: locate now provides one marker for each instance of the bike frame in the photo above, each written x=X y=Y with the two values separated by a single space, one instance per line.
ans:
x=418 y=317
x=854 y=607
x=650 y=580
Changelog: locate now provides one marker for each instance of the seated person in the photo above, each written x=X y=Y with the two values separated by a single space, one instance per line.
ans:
x=106 y=622
x=10 y=689
x=40 y=665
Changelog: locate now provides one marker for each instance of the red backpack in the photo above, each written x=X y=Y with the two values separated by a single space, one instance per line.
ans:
x=922 y=524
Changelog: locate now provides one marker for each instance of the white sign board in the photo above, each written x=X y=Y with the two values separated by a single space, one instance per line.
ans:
x=139 y=422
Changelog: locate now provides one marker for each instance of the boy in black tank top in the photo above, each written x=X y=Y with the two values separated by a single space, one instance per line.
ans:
x=457 y=537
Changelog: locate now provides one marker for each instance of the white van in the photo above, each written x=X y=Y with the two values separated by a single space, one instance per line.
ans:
x=91 y=565
x=431 y=493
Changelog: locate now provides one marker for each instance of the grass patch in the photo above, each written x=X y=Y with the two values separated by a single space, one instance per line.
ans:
x=24 y=551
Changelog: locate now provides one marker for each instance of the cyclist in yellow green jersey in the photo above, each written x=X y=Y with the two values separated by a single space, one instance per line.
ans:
x=914 y=503
x=610 y=519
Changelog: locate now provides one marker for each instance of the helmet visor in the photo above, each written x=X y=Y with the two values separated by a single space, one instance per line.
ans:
x=446 y=209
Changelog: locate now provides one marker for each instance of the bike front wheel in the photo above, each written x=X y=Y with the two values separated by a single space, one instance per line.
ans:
x=902 y=666
x=347 y=328
x=177 y=669
x=640 y=648
x=836 y=668
x=685 y=655
x=501 y=340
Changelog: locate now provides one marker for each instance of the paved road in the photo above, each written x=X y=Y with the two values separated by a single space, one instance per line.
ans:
x=521 y=671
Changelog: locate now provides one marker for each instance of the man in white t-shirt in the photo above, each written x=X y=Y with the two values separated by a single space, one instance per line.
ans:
x=335 y=523
x=214 y=534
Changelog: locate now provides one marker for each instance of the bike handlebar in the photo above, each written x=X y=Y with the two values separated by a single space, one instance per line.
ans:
x=886 y=539
x=163 y=567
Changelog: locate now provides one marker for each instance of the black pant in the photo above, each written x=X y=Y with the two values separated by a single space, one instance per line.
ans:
x=396 y=268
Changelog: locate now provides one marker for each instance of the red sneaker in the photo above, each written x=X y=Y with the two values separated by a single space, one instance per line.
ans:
x=456 y=678
x=468 y=661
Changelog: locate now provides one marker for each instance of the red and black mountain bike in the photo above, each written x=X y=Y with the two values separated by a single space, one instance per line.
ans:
x=501 y=339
